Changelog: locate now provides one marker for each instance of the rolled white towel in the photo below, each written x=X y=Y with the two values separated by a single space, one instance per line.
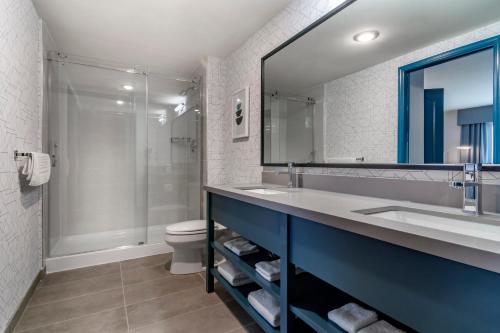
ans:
x=266 y=305
x=381 y=327
x=37 y=169
x=352 y=317
x=233 y=275
x=241 y=246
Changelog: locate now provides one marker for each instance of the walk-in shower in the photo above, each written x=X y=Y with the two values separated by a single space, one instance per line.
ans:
x=289 y=128
x=125 y=162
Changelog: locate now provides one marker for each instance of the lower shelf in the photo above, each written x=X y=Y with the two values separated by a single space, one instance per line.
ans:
x=240 y=295
x=316 y=298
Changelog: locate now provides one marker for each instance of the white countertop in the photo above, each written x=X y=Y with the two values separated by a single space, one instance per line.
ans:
x=478 y=247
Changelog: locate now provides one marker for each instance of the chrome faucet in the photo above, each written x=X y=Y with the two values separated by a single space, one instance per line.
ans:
x=292 y=175
x=471 y=187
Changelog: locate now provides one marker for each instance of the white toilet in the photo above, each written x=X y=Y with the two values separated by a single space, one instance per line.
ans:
x=188 y=239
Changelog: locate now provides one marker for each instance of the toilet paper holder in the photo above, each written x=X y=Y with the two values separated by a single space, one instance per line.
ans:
x=17 y=154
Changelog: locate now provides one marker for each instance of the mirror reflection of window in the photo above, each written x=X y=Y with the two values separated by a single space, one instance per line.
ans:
x=451 y=111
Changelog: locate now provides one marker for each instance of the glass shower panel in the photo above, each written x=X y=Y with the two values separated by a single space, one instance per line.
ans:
x=98 y=138
x=174 y=162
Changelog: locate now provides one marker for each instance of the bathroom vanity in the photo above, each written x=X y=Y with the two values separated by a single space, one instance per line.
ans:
x=423 y=268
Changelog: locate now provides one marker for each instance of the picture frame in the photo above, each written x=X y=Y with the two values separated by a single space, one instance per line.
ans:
x=240 y=113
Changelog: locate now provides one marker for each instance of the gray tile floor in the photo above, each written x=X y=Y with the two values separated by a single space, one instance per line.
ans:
x=138 y=295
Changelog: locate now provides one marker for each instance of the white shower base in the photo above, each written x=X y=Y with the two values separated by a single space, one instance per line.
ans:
x=104 y=247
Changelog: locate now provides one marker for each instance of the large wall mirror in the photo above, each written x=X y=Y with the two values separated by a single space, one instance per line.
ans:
x=387 y=82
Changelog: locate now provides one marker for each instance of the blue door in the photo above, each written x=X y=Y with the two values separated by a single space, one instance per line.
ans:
x=433 y=125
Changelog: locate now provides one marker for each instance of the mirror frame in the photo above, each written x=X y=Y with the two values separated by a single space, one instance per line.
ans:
x=404 y=72
x=404 y=166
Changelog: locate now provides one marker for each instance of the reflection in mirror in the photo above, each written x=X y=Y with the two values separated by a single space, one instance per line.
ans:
x=331 y=95
x=451 y=111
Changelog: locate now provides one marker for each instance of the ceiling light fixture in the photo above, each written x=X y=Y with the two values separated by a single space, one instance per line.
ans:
x=120 y=102
x=366 y=36
x=131 y=71
x=128 y=87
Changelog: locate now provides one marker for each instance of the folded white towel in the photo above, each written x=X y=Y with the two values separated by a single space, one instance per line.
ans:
x=381 y=327
x=270 y=267
x=270 y=270
x=241 y=246
x=267 y=276
x=233 y=275
x=266 y=305
x=352 y=317
x=37 y=169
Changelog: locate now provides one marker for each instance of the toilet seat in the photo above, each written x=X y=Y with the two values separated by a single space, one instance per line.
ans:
x=188 y=239
x=192 y=227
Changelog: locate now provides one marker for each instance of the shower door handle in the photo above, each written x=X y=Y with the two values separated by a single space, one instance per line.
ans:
x=53 y=158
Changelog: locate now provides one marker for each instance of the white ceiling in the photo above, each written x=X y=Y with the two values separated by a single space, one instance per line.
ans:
x=170 y=36
x=467 y=81
x=329 y=52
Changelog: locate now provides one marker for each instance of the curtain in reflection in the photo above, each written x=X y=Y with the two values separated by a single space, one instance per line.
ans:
x=479 y=137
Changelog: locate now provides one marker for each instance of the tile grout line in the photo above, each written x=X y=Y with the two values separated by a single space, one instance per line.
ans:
x=73 y=298
x=66 y=320
x=169 y=294
x=124 y=301
x=187 y=313
x=56 y=284
x=153 y=279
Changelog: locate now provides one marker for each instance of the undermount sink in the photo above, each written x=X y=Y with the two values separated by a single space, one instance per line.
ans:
x=264 y=191
x=437 y=220
x=259 y=190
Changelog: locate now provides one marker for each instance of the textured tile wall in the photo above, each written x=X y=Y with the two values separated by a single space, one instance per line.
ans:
x=361 y=109
x=238 y=161
x=214 y=121
x=20 y=128
x=241 y=158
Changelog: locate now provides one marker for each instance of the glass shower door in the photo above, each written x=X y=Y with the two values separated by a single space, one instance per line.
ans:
x=174 y=146
x=98 y=139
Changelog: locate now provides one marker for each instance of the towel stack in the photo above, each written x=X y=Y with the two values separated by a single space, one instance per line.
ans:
x=233 y=275
x=381 y=327
x=266 y=305
x=352 y=317
x=241 y=246
x=269 y=270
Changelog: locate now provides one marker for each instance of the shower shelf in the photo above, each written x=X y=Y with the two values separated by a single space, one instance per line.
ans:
x=180 y=139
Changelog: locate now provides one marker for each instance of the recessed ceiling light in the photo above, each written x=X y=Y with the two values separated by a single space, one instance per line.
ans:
x=128 y=87
x=366 y=36
x=120 y=102
x=131 y=71
x=179 y=108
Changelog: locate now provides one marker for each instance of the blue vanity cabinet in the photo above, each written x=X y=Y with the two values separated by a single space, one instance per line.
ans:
x=411 y=289
x=422 y=291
